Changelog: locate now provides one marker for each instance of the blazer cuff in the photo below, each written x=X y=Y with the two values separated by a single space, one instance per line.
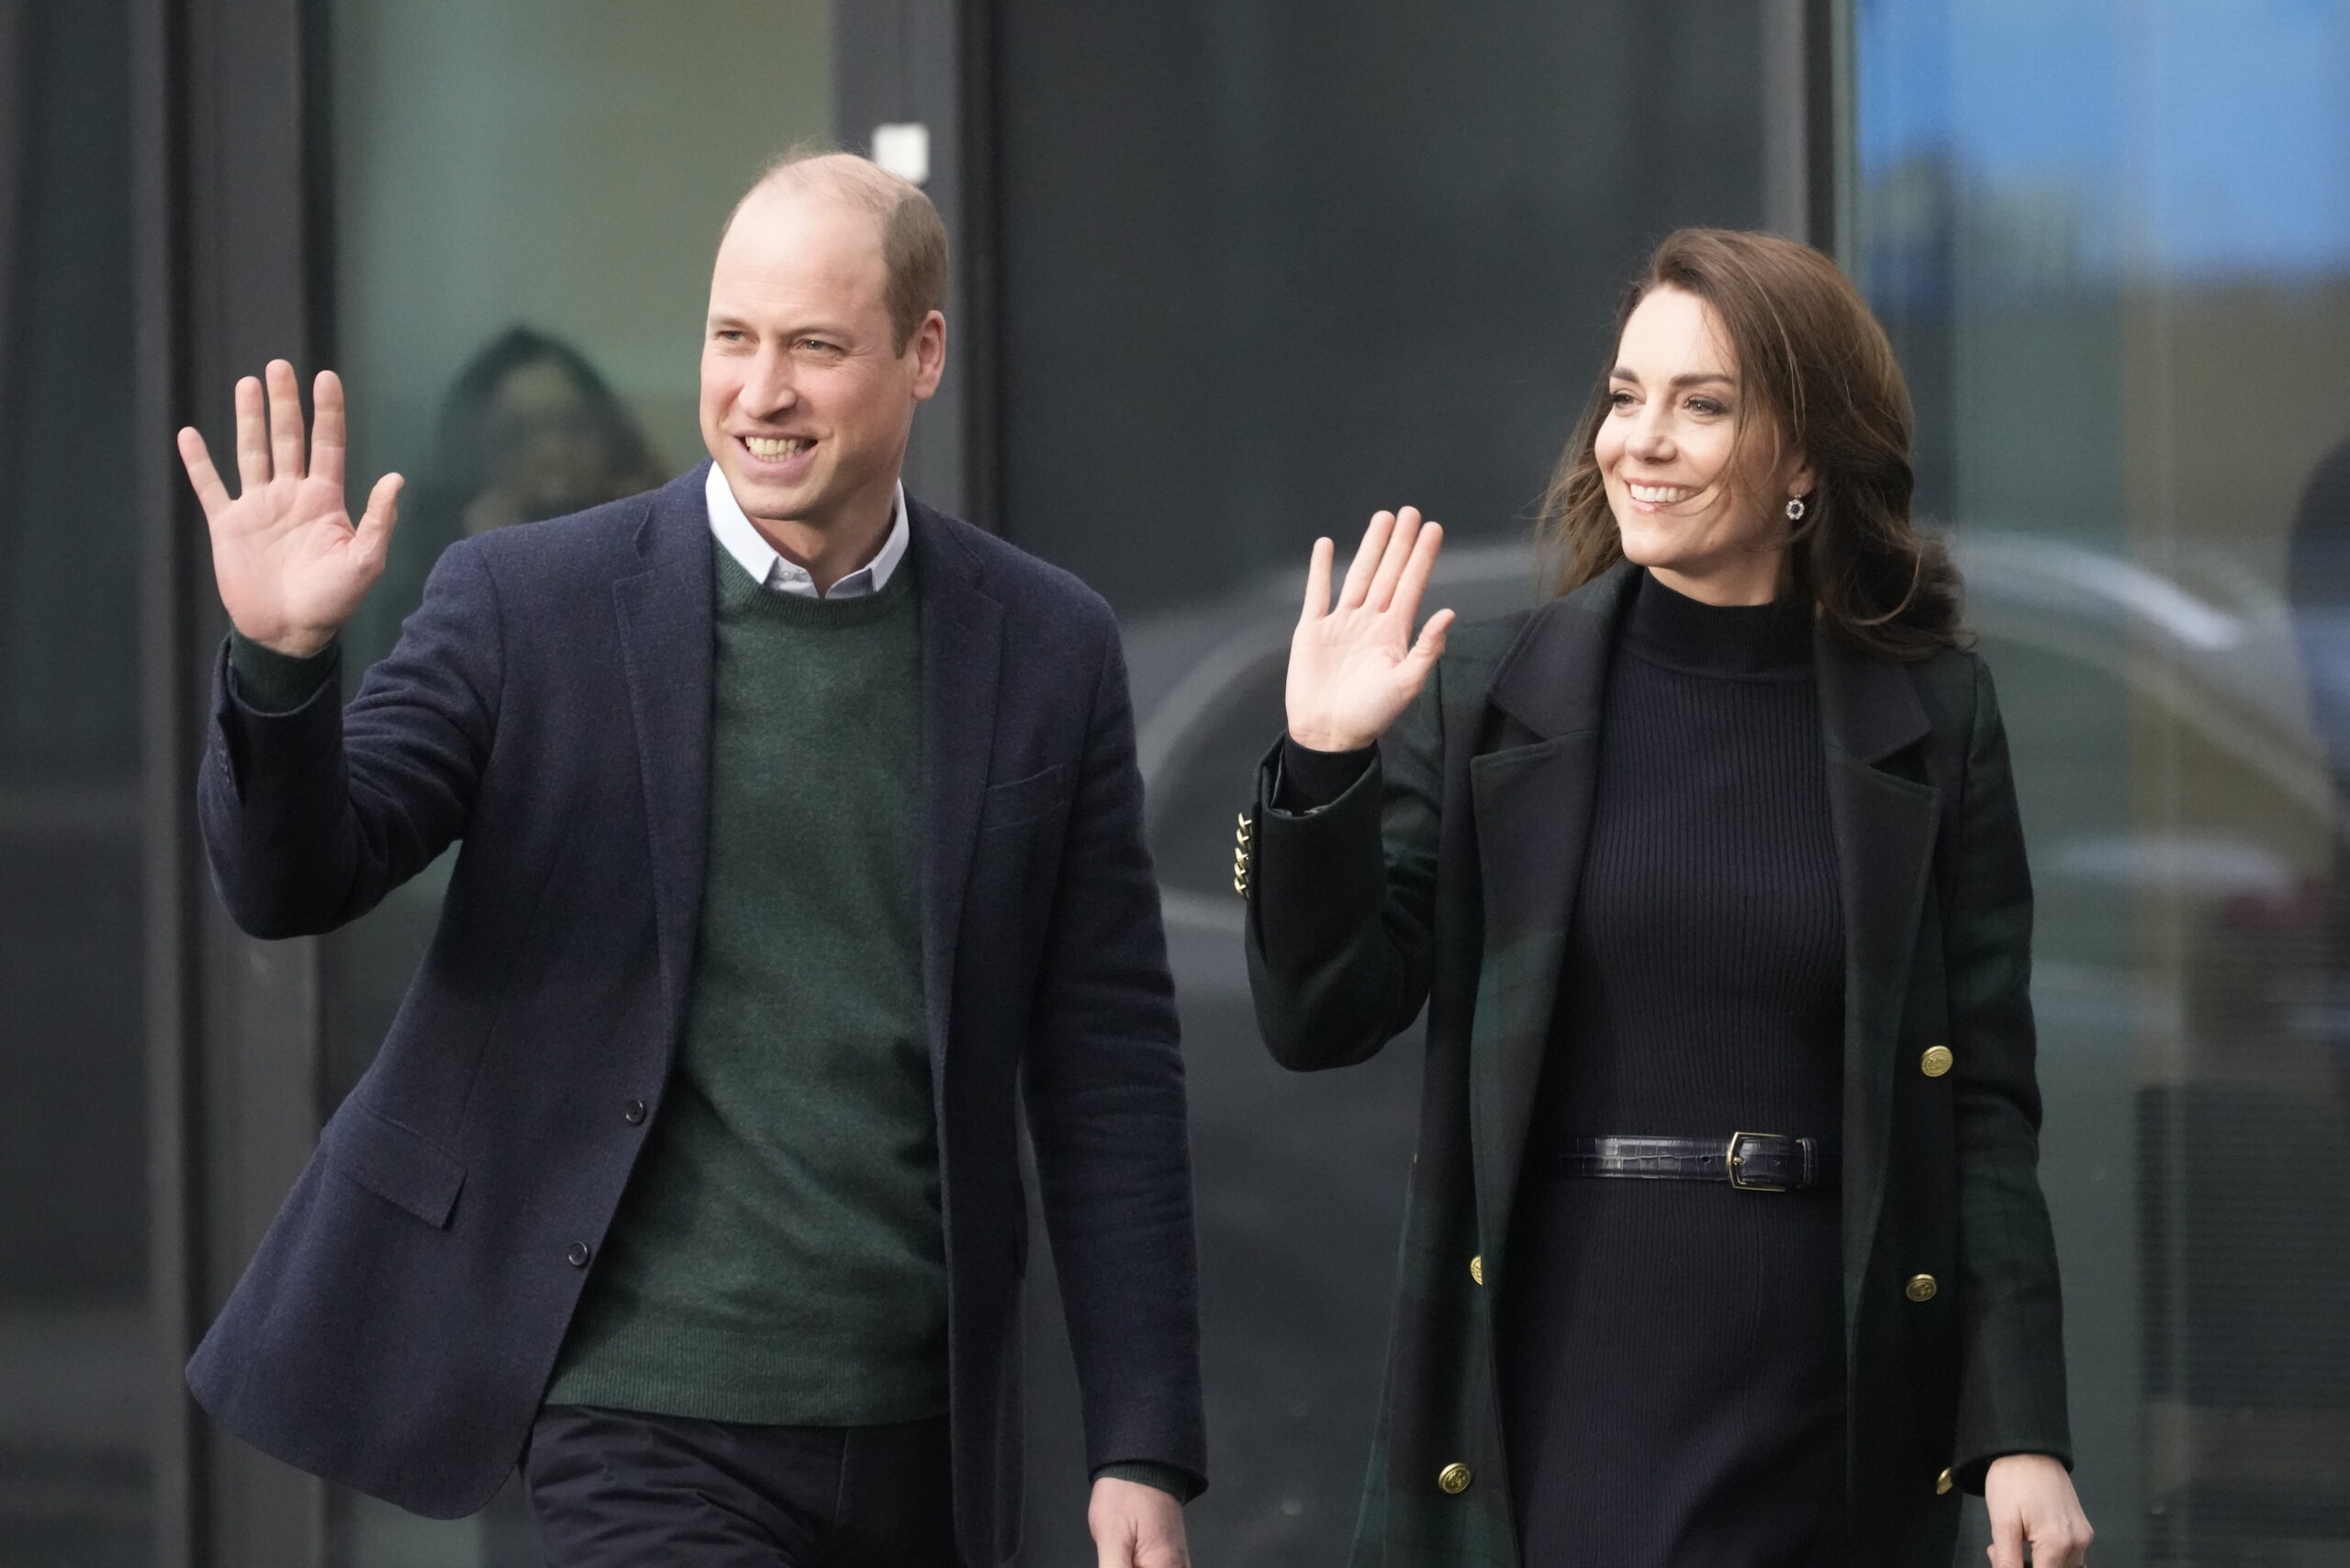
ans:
x=1176 y=1483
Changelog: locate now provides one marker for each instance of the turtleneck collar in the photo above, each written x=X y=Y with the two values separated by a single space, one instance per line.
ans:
x=1740 y=642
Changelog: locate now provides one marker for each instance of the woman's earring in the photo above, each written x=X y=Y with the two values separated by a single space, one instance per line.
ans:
x=1795 y=509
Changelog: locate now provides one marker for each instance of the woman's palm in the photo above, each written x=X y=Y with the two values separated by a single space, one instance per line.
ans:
x=1354 y=666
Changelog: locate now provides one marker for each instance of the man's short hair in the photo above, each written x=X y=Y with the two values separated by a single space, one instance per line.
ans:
x=913 y=240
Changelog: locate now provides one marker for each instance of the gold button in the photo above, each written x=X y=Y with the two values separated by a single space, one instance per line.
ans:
x=1921 y=1287
x=1477 y=1268
x=1943 y=1484
x=1453 y=1480
x=1241 y=833
x=1935 y=1062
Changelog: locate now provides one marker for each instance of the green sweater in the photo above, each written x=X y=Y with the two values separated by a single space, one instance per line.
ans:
x=778 y=1257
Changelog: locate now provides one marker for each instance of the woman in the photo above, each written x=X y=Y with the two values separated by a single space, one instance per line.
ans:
x=1710 y=876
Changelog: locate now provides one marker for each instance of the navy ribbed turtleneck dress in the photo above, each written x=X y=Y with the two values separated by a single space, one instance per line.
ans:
x=1673 y=1351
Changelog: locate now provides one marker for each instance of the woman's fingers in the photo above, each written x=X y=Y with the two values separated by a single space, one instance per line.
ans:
x=1412 y=581
x=1393 y=560
x=2006 y=1550
x=327 y=440
x=285 y=420
x=252 y=437
x=1429 y=649
x=211 y=493
x=1317 y=582
x=1367 y=558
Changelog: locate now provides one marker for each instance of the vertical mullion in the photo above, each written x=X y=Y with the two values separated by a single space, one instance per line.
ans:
x=896 y=60
x=167 y=751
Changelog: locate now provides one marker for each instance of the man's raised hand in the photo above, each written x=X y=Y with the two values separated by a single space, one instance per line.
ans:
x=1354 y=665
x=290 y=563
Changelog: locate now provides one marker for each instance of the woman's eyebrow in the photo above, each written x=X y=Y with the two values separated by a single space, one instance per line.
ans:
x=1624 y=372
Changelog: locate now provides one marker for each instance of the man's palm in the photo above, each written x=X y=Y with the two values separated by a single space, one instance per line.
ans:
x=290 y=563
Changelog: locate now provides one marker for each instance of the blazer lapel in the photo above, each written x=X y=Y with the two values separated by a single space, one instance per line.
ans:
x=1884 y=826
x=1532 y=794
x=962 y=656
x=665 y=626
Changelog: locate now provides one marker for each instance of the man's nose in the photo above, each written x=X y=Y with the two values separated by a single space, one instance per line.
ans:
x=770 y=389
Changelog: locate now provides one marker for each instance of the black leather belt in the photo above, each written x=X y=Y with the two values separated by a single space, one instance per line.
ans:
x=1752 y=1162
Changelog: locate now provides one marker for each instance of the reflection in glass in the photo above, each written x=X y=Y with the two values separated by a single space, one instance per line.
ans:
x=528 y=430
x=2112 y=246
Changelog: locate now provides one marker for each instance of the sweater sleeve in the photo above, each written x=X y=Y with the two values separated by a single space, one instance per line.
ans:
x=270 y=682
x=1311 y=779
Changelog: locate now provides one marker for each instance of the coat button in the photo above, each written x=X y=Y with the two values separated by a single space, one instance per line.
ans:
x=1943 y=1484
x=577 y=1256
x=633 y=1113
x=1477 y=1268
x=1935 y=1062
x=1453 y=1480
x=1921 y=1287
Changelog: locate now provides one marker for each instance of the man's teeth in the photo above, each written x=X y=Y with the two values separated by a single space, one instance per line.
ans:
x=775 y=451
x=1662 y=495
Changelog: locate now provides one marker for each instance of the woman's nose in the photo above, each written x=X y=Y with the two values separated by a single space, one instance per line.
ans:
x=1651 y=443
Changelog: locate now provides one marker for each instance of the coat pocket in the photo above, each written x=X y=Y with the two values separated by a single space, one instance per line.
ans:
x=1023 y=800
x=404 y=1169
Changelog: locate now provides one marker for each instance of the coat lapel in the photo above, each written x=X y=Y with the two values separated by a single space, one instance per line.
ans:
x=665 y=626
x=1884 y=826
x=962 y=656
x=1531 y=786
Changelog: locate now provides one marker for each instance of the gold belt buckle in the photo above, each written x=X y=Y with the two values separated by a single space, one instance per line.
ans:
x=1734 y=1163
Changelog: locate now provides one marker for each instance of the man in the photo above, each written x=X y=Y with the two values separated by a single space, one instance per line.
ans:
x=800 y=829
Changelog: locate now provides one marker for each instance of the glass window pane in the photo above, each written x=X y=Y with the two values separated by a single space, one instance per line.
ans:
x=76 y=1363
x=527 y=198
x=2112 y=244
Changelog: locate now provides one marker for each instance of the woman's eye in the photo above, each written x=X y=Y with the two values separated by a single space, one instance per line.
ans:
x=1620 y=399
x=1706 y=406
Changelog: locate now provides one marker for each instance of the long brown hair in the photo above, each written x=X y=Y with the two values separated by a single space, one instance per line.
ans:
x=1813 y=361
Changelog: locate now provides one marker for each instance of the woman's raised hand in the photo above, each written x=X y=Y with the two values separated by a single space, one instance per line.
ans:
x=1354 y=665
x=290 y=563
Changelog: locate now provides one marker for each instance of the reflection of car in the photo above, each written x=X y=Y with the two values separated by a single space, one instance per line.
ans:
x=1300 y=1179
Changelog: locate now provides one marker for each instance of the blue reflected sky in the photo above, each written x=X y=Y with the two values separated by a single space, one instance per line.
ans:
x=2195 y=138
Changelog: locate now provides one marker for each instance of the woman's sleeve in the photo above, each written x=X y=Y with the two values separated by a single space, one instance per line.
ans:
x=2012 y=1391
x=1341 y=897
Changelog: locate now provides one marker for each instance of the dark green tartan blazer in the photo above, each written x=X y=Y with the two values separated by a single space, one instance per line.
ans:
x=1447 y=876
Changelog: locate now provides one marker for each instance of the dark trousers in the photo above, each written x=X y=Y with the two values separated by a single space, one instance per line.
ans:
x=611 y=1488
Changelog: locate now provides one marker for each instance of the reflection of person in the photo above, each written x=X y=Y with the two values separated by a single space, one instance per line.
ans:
x=2318 y=585
x=1718 y=846
x=528 y=430
x=802 y=832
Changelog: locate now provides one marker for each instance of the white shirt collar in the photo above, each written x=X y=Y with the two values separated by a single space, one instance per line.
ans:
x=749 y=546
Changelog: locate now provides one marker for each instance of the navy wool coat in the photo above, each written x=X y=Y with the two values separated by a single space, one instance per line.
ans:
x=1447 y=875
x=549 y=706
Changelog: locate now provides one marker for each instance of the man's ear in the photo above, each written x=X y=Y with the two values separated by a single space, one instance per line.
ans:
x=928 y=345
